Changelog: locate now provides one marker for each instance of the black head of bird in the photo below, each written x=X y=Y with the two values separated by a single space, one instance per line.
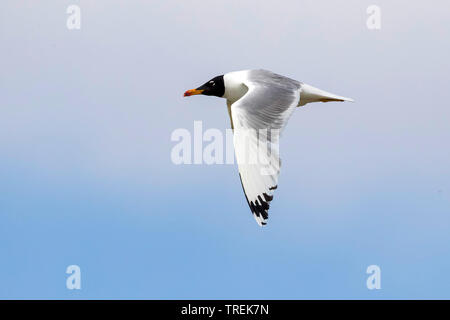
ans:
x=214 y=87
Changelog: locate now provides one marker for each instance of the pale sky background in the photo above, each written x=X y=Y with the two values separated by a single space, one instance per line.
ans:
x=86 y=176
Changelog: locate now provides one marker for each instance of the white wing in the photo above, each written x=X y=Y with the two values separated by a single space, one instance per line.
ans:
x=258 y=118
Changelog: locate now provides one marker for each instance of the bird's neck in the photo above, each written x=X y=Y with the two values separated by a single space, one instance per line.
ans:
x=234 y=86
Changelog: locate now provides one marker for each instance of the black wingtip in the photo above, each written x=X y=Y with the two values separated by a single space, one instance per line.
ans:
x=261 y=205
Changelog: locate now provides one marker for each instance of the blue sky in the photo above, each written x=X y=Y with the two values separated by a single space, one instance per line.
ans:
x=86 y=176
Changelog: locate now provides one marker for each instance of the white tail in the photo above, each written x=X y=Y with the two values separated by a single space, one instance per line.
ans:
x=312 y=94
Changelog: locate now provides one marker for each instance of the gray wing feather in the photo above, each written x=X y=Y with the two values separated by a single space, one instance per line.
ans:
x=270 y=99
x=268 y=104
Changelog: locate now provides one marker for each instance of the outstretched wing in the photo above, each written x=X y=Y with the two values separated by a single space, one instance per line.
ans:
x=257 y=119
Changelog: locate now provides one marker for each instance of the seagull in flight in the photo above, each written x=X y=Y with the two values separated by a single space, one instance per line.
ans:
x=260 y=103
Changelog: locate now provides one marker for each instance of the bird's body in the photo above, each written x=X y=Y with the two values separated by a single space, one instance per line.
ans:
x=260 y=103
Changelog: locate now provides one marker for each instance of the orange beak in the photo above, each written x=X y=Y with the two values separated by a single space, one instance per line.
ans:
x=192 y=92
